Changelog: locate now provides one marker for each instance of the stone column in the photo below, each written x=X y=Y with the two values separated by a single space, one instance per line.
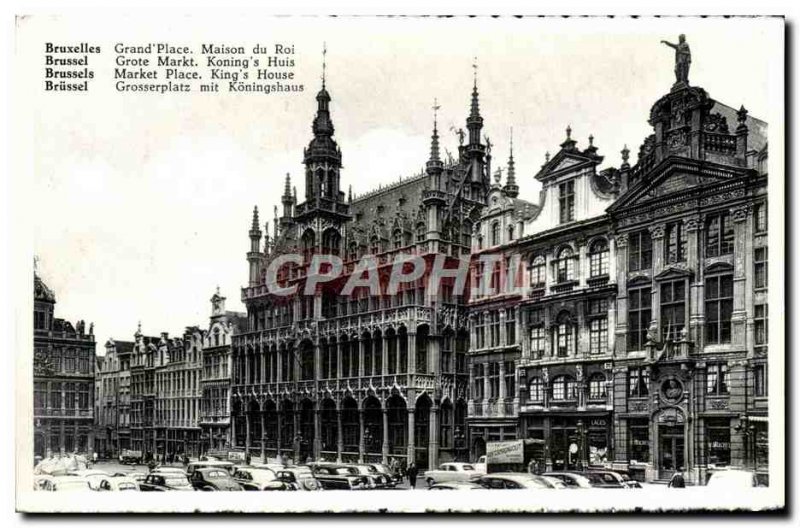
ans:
x=361 y=443
x=486 y=386
x=339 y=438
x=657 y=234
x=411 y=451
x=412 y=353
x=433 y=438
x=338 y=370
x=279 y=435
x=295 y=442
x=582 y=264
x=247 y=431
x=501 y=397
x=384 y=355
x=696 y=288
x=317 y=447
x=361 y=356
x=739 y=215
x=263 y=436
x=385 y=445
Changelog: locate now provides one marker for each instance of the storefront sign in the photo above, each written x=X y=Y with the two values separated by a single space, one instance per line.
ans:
x=597 y=422
x=510 y=452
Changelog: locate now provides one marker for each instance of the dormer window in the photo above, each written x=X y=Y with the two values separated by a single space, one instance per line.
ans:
x=566 y=201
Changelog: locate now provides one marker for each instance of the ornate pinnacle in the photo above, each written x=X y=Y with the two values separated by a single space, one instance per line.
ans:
x=255 y=218
x=741 y=114
x=569 y=132
x=625 y=155
x=287 y=189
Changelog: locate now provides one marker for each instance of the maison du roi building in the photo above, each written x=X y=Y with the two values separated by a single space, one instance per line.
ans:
x=639 y=340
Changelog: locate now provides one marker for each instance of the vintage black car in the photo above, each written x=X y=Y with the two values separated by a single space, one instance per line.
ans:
x=213 y=479
x=338 y=476
x=165 y=482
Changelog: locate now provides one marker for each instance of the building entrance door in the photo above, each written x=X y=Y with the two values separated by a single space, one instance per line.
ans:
x=670 y=450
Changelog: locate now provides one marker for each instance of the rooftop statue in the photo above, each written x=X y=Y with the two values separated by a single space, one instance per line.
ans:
x=683 y=59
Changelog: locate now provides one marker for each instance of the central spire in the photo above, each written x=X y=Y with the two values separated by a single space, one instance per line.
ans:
x=474 y=121
x=511 y=187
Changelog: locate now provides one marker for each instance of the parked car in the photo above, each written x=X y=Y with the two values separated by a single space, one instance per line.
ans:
x=377 y=479
x=570 y=480
x=452 y=471
x=454 y=485
x=128 y=456
x=480 y=465
x=213 y=479
x=299 y=478
x=514 y=481
x=168 y=470
x=256 y=479
x=219 y=464
x=732 y=479
x=393 y=478
x=337 y=476
x=118 y=484
x=165 y=482
x=60 y=483
x=606 y=479
x=138 y=476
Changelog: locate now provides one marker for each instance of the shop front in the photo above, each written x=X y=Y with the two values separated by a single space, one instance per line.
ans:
x=572 y=442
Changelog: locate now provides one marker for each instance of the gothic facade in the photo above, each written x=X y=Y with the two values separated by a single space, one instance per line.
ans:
x=369 y=376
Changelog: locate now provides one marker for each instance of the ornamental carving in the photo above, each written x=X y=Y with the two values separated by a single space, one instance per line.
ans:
x=656 y=231
x=637 y=406
x=672 y=390
x=622 y=240
x=716 y=123
x=718 y=405
x=739 y=214
x=692 y=224
x=670 y=415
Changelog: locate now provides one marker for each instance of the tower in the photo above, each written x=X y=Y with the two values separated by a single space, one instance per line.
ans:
x=434 y=200
x=254 y=255
x=475 y=155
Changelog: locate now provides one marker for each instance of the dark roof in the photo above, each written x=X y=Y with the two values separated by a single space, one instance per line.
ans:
x=757 y=129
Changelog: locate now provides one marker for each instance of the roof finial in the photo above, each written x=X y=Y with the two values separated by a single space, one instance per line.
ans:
x=547 y=156
x=625 y=154
x=475 y=72
x=591 y=140
x=436 y=108
x=217 y=289
x=255 y=218
x=569 y=132
x=324 y=58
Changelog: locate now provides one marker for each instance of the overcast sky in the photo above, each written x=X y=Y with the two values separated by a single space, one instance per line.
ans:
x=143 y=202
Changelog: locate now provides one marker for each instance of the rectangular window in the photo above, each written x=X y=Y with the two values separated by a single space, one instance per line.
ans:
x=760 y=217
x=675 y=243
x=638 y=440
x=760 y=380
x=597 y=387
x=760 y=324
x=640 y=251
x=639 y=314
x=510 y=377
x=719 y=308
x=638 y=382
x=478 y=383
x=718 y=441
x=494 y=380
x=511 y=326
x=673 y=309
x=760 y=267
x=480 y=336
x=537 y=342
x=717 y=379
x=566 y=201
x=719 y=235
x=494 y=328
x=598 y=336
x=564 y=339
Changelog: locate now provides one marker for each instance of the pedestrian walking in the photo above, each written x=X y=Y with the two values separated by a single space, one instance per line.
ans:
x=94 y=457
x=412 y=475
x=677 y=480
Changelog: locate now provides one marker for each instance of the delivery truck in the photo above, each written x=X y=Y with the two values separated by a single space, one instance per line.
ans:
x=515 y=455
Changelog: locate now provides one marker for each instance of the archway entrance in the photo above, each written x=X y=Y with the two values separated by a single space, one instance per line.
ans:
x=671 y=443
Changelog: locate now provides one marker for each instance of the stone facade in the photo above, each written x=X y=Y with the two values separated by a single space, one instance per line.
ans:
x=367 y=377
x=63 y=379
x=113 y=399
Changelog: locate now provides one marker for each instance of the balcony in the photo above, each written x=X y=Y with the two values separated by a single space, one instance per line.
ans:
x=564 y=287
x=597 y=281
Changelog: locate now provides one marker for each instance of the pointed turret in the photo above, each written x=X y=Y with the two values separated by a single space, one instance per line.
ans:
x=287 y=200
x=254 y=255
x=474 y=121
x=434 y=166
x=511 y=188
